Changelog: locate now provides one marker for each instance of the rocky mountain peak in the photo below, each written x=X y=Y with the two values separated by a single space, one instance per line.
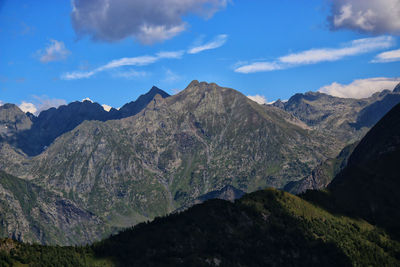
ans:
x=397 y=88
x=12 y=118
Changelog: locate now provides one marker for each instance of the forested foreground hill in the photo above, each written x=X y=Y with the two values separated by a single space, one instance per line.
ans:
x=352 y=223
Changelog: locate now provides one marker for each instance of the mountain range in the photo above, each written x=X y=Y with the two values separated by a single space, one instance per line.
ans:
x=353 y=222
x=159 y=154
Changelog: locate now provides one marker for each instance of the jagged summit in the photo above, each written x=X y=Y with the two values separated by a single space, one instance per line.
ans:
x=39 y=132
x=12 y=119
x=397 y=88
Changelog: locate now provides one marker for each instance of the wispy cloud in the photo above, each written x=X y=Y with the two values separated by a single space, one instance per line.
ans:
x=130 y=74
x=259 y=67
x=171 y=54
x=218 y=41
x=55 y=51
x=142 y=61
x=127 y=61
x=171 y=76
x=388 y=56
x=360 y=88
x=355 y=47
x=313 y=56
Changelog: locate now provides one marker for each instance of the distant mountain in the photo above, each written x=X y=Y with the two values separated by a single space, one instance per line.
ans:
x=372 y=113
x=347 y=119
x=53 y=122
x=35 y=134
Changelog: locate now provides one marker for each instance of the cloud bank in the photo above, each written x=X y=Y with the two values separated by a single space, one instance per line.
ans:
x=313 y=56
x=367 y=16
x=360 y=88
x=148 y=21
x=55 y=51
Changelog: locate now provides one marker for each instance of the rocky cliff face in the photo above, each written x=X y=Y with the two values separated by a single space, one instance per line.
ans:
x=323 y=174
x=30 y=213
x=12 y=121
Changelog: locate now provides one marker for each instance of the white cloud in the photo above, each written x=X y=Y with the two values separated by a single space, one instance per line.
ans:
x=106 y=107
x=152 y=34
x=1 y=103
x=55 y=51
x=41 y=103
x=148 y=21
x=260 y=99
x=122 y=62
x=313 y=56
x=388 y=56
x=28 y=107
x=368 y=16
x=360 y=88
x=87 y=99
x=356 y=47
x=259 y=67
x=218 y=41
x=171 y=54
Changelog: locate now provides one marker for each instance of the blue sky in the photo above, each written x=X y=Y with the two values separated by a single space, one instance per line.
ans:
x=55 y=52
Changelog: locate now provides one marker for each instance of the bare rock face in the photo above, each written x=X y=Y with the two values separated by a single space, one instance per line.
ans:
x=12 y=121
x=32 y=214
x=323 y=174
x=397 y=88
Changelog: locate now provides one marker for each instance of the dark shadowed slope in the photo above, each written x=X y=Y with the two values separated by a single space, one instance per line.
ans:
x=323 y=174
x=39 y=132
x=368 y=186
